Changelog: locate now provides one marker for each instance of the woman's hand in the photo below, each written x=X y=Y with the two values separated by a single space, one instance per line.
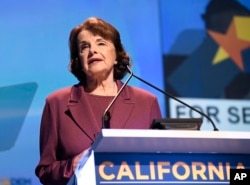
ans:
x=78 y=158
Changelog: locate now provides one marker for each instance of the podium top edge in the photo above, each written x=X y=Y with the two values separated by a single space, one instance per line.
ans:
x=175 y=134
x=172 y=141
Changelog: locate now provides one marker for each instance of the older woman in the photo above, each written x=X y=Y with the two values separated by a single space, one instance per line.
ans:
x=72 y=117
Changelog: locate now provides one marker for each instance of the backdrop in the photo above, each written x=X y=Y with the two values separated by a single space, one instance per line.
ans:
x=163 y=39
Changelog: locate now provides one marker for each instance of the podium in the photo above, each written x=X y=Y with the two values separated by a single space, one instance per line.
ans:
x=122 y=156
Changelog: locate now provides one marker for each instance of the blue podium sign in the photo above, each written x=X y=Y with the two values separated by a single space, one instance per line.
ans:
x=133 y=157
x=167 y=168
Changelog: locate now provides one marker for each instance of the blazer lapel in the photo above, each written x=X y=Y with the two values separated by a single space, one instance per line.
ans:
x=82 y=113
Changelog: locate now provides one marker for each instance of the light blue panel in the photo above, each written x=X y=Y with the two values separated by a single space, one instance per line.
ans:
x=34 y=48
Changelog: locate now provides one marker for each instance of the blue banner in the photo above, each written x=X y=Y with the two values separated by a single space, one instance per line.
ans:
x=167 y=168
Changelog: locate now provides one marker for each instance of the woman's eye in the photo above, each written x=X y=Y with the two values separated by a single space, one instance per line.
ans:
x=101 y=43
x=84 y=46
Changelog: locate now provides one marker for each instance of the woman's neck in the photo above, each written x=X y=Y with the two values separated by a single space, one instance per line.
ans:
x=102 y=88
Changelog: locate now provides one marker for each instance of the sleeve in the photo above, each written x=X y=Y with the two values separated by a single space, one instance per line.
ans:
x=155 y=110
x=50 y=170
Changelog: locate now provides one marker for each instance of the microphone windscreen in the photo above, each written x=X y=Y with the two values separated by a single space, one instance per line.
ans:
x=125 y=62
x=123 y=65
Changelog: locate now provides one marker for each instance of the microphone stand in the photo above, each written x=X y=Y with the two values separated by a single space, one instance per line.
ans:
x=106 y=115
x=178 y=100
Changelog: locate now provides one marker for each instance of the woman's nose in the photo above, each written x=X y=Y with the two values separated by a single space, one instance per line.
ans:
x=92 y=49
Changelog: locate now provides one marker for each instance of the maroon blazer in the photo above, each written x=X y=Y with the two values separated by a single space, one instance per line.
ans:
x=69 y=126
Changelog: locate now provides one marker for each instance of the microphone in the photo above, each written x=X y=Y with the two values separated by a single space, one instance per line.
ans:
x=126 y=63
x=106 y=115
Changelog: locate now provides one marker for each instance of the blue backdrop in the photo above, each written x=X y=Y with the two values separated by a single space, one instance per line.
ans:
x=34 y=60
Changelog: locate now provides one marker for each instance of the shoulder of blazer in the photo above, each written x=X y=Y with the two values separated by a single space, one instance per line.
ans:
x=69 y=93
x=139 y=92
x=131 y=92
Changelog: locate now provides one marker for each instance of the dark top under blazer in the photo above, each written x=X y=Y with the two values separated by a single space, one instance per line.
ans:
x=69 y=126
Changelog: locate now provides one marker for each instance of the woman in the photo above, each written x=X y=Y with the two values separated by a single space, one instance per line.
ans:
x=72 y=117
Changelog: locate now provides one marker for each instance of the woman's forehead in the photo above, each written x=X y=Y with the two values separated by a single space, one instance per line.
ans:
x=86 y=35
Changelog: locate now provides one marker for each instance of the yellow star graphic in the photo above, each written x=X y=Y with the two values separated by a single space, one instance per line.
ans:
x=233 y=42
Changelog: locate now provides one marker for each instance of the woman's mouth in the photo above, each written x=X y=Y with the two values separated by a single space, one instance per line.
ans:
x=94 y=60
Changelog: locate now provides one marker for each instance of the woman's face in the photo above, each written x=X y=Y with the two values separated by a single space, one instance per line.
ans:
x=96 y=54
